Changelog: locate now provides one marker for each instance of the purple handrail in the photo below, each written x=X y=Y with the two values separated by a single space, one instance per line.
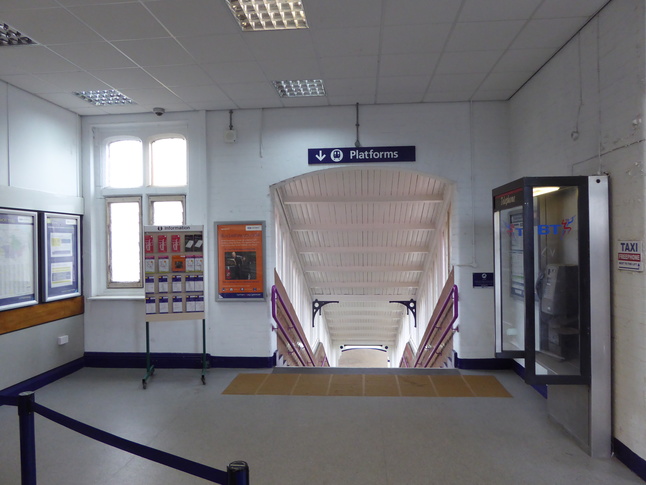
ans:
x=274 y=294
x=453 y=293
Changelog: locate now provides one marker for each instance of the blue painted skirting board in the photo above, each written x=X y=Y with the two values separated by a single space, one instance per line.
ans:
x=45 y=378
x=137 y=360
x=629 y=458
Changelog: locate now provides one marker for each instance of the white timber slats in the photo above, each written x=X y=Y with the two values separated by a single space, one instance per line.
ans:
x=363 y=237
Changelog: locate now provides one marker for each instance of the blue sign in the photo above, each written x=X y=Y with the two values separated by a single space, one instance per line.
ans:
x=319 y=156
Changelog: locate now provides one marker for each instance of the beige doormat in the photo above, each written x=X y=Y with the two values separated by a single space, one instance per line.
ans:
x=366 y=385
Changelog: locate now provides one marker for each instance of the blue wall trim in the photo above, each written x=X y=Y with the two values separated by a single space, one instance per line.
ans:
x=483 y=364
x=243 y=362
x=137 y=360
x=629 y=458
x=45 y=378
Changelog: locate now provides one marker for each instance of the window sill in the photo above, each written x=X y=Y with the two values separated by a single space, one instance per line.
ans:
x=117 y=297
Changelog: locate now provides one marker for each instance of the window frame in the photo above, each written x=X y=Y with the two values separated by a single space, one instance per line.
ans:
x=102 y=135
x=108 y=239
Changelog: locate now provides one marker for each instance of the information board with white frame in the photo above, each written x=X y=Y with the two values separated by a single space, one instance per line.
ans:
x=174 y=272
x=18 y=258
x=61 y=256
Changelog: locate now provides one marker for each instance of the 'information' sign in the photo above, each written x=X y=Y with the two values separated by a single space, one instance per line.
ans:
x=319 y=156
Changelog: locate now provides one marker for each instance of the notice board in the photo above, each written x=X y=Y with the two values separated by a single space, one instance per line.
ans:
x=18 y=258
x=240 y=260
x=61 y=258
x=174 y=272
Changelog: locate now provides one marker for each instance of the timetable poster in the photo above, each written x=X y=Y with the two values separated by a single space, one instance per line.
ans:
x=240 y=253
x=18 y=258
x=61 y=256
x=174 y=272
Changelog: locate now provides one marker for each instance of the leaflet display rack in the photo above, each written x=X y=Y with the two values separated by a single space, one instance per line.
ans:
x=174 y=281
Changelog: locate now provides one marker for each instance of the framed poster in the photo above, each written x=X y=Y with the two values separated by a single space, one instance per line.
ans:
x=240 y=258
x=61 y=256
x=18 y=258
x=174 y=272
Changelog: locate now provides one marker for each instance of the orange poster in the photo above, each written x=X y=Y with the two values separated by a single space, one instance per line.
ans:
x=240 y=261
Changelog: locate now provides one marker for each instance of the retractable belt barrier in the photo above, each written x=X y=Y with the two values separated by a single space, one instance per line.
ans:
x=237 y=472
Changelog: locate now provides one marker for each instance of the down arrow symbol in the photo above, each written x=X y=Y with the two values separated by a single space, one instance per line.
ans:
x=320 y=155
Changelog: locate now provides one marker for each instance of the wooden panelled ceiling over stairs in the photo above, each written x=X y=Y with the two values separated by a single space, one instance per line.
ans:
x=364 y=238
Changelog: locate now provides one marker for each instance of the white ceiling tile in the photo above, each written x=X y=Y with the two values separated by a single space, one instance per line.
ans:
x=351 y=99
x=196 y=43
x=407 y=12
x=466 y=62
x=456 y=82
x=28 y=4
x=342 y=13
x=217 y=48
x=409 y=39
x=236 y=72
x=363 y=41
x=344 y=67
x=290 y=69
x=32 y=59
x=408 y=64
x=354 y=86
x=131 y=78
x=400 y=97
x=30 y=83
x=153 y=96
x=49 y=26
x=121 y=21
x=488 y=10
x=250 y=90
x=74 y=81
x=523 y=59
x=545 y=33
x=294 y=44
x=192 y=94
x=415 y=84
x=154 y=52
x=93 y=55
x=505 y=80
x=473 y=36
x=171 y=76
x=194 y=17
x=493 y=95
x=570 y=8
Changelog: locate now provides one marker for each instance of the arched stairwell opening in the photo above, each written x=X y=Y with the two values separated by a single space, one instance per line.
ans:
x=353 y=247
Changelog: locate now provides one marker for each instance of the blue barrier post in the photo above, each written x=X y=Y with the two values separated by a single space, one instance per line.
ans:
x=27 y=438
x=238 y=472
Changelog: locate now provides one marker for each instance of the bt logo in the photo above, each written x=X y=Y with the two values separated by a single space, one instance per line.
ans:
x=564 y=228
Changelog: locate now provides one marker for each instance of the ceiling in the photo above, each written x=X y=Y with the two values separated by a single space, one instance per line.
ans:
x=192 y=55
x=363 y=235
x=364 y=238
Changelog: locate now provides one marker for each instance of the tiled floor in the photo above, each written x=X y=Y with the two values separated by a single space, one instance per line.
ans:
x=299 y=440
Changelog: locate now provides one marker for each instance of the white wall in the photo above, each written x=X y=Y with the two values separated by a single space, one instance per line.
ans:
x=271 y=147
x=596 y=85
x=39 y=170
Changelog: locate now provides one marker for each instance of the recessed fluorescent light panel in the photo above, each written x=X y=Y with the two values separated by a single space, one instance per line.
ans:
x=9 y=36
x=293 y=89
x=268 y=14
x=105 y=97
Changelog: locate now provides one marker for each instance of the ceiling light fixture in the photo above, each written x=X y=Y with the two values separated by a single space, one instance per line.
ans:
x=9 y=37
x=254 y=15
x=293 y=89
x=109 y=97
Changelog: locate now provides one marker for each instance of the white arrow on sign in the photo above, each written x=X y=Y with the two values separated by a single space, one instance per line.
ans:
x=321 y=155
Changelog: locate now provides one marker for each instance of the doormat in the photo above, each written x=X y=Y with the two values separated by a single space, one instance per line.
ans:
x=366 y=385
